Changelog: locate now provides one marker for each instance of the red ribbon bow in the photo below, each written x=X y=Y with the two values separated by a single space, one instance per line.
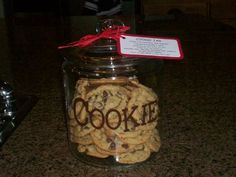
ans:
x=110 y=33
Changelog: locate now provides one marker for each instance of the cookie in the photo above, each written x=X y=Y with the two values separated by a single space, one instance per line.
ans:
x=139 y=139
x=72 y=123
x=81 y=130
x=73 y=129
x=71 y=112
x=106 y=98
x=118 y=81
x=141 y=98
x=148 y=91
x=84 y=140
x=110 y=144
x=81 y=148
x=120 y=131
x=91 y=151
x=148 y=126
x=81 y=88
x=140 y=154
x=102 y=151
x=154 y=143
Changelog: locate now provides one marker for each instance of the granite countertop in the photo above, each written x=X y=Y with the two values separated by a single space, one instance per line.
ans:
x=197 y=127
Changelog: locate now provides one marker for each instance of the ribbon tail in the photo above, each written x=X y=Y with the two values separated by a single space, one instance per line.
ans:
x=83 y=42
x=72 y=44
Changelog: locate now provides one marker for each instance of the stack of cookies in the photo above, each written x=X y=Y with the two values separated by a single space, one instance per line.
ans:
x=114 y=118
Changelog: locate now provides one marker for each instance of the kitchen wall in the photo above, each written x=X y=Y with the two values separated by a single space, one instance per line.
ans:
x=5 y=53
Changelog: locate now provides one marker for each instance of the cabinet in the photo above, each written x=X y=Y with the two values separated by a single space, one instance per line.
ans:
x=224 y=11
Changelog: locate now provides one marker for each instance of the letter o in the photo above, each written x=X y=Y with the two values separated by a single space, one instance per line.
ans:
x=119 y=118
x=91 y=118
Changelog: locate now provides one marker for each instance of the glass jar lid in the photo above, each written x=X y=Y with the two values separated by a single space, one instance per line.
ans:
x=102 y=58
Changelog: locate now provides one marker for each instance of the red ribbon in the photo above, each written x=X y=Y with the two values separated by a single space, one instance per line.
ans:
x=110 y=33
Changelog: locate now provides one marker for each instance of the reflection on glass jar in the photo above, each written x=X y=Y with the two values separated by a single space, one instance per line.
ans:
x=112 y=105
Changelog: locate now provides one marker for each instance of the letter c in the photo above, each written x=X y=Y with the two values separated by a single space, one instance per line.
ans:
x=84 y=103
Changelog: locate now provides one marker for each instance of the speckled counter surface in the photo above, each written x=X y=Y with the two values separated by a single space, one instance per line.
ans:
x=198 y=125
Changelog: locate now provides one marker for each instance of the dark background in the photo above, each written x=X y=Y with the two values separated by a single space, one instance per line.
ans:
x=52 y=7
x=220 y=10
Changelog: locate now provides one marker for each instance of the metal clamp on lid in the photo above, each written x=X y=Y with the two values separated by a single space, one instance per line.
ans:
x=7 y=100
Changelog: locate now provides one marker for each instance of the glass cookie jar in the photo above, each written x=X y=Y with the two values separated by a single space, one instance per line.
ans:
x=112 y=104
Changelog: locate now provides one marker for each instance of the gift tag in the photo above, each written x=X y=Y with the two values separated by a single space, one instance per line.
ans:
x=150 y=47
